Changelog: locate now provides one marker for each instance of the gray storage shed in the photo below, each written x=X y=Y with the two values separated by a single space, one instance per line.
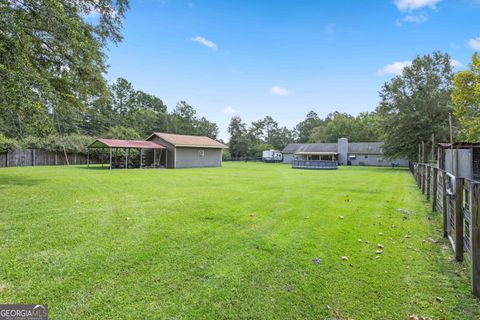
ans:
x=184 y=151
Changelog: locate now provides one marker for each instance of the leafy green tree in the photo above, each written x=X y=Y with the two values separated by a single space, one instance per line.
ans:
x=52 y=60
x=238 y=144
x=183 y=118
x=367 y=128
x=122 y=133
x=466 y=100
x=123 y=98
x=318 y=135
x=363 y=128
x=150 y=102
x=206 y=128
x=266 y=134
x=416 y=104
x=304 y=129
x=339 y=125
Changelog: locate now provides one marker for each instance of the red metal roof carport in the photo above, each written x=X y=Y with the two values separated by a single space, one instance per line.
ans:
x=125 y=144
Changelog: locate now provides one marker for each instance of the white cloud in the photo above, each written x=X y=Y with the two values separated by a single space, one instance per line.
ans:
x=411 y=5
x=420 y=18
x=207 y=43
x=229 y=110
x=455 y=63
x=279 y=91
x=474 y=43
x=394 y=68
x=417 y=19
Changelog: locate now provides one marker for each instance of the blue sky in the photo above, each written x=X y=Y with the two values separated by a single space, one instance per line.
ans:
x=284 y=58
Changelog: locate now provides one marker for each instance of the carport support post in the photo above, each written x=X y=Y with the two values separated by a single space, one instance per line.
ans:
x=475 y=238
x=458 y=236
x=126 y=158
x=110 y=158
x=88 y=157
x=154 y=156
x=141 y=158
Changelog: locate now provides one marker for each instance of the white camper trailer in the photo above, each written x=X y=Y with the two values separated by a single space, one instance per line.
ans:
x=272 y=156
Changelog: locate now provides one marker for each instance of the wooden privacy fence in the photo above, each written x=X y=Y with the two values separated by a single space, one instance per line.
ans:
x=458 y=199
x=37 y=157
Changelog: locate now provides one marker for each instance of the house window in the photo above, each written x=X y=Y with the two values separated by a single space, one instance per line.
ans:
x=366 y=156
x=201 y=153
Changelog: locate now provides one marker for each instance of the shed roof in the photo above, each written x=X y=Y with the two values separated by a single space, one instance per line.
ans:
x=134 y=144
x=181 y=140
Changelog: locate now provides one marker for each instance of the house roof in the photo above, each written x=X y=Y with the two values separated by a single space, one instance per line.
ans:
x=365 y=147
x=134 y=144
x=329 y=148
x=316 y=153
x=310 y=147
x=181 y=140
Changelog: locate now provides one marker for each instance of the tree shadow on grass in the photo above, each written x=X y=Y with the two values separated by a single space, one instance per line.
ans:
x=7 y=181
x=94 y=167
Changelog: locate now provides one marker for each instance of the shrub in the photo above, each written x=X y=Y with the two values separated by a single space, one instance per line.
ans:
x=73 y=143
x=7 y=144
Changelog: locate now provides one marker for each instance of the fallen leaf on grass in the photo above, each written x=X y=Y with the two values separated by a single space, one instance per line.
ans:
x=440 y=299
x=316 y=260
x=405 y=211
x=379 y=252
x=344 y=258
x=415 y=317
x=379 y=245
x=430 y=240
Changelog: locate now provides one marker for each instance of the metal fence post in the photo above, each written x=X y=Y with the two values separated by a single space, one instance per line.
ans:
x=458 y=211
x=424 y=177
x=475 y=237
x=434 y=190
x=444 y=204
x=427 y=181
x=417 y=174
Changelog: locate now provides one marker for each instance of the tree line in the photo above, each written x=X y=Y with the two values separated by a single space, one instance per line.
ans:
x=248 y=142
x=414 y=107
x=53 y=93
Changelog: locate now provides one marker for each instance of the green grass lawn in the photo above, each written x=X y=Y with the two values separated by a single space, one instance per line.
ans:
x=231 y=242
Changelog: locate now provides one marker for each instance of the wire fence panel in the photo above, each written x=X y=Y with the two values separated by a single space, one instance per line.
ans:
x=458 y=198
x=439 y=193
